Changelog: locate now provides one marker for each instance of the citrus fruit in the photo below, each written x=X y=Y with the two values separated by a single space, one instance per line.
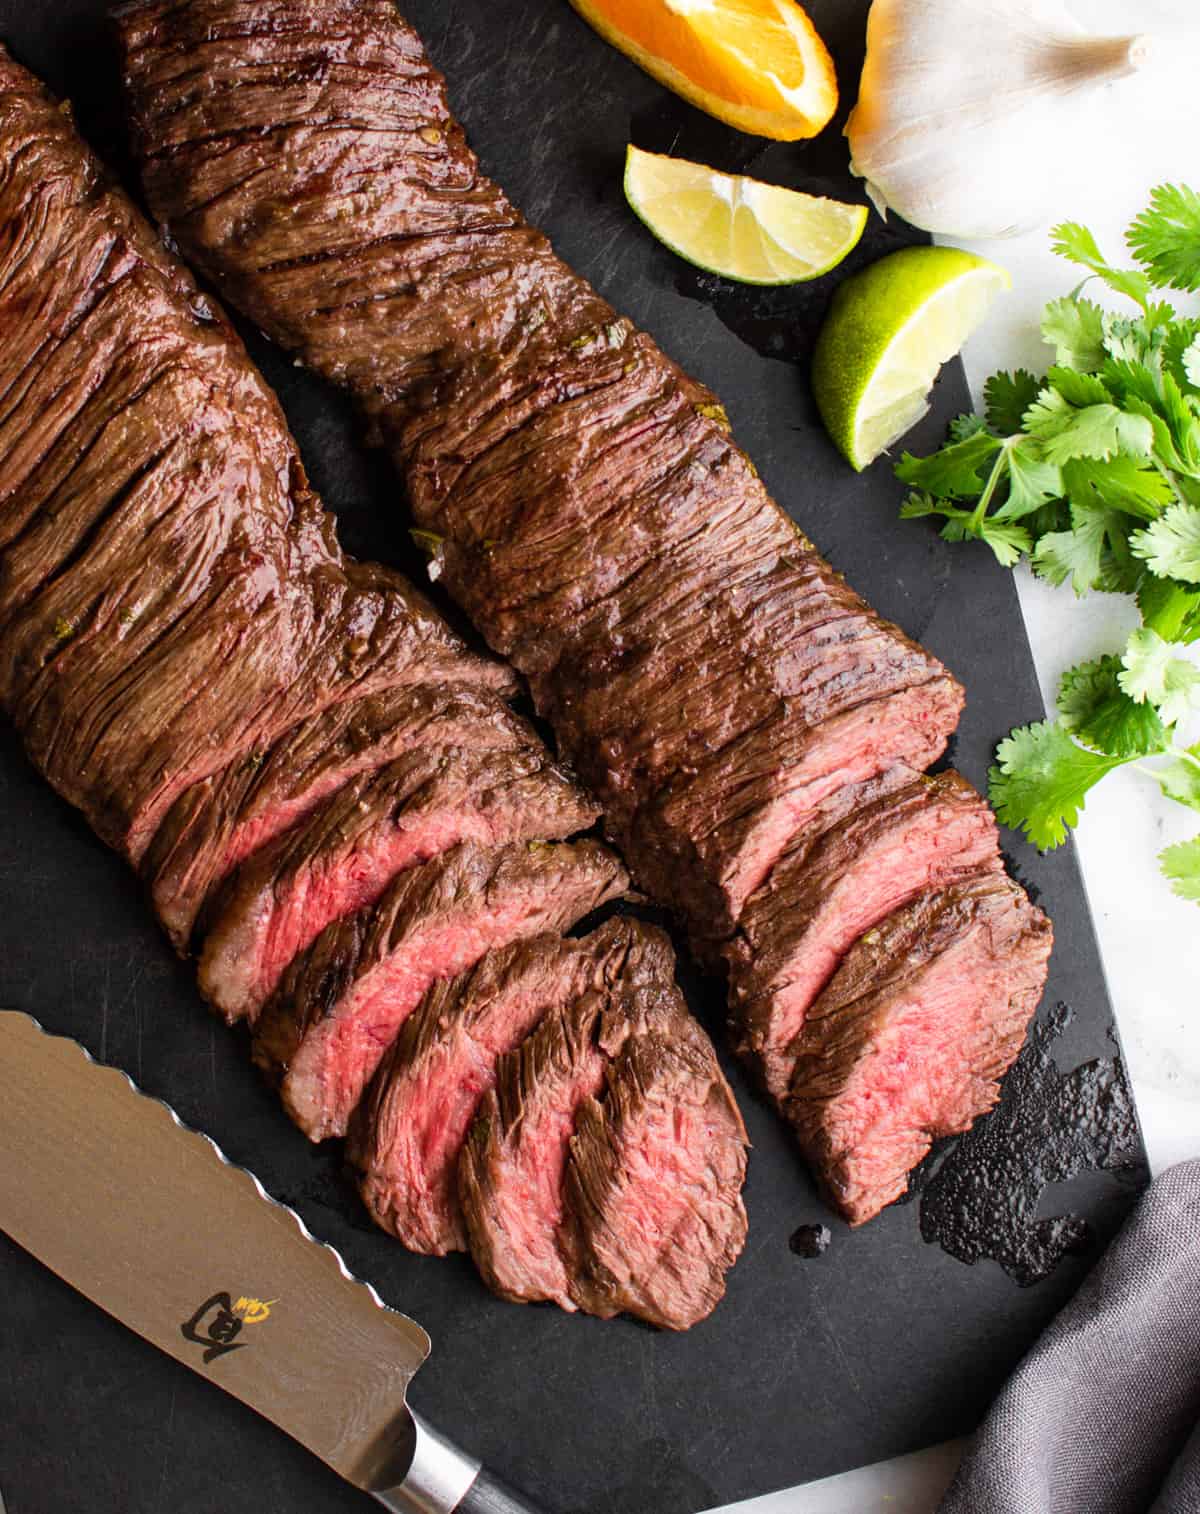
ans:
x=757 y=64
x=746 y=230
x=888 y=332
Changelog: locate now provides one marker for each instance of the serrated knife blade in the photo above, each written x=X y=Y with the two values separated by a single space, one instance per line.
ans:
x=148 y=1218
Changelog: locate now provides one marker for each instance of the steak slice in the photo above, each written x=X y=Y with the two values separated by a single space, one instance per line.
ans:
x=654 y=1215
x=340 y=1005
x=828 y=891
x=217 y=824
x=343 y=856
x=512 y=1168
x=909 y=1040
x=734 y=819
x=410 y=1127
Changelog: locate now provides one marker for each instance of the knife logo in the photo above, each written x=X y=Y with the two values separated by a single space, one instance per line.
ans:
x=218 y=1322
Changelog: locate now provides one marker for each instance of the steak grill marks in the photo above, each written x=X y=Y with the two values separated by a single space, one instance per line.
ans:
x=725 y=694
x=280 y=738
x=693 y=652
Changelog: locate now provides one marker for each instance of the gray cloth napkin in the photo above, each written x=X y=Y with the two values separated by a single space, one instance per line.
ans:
x=1103 y=1415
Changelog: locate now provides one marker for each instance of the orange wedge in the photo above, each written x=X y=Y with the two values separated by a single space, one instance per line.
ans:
x=757 y=64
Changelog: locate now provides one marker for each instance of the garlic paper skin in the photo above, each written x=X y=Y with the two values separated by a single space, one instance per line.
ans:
x=965 y=107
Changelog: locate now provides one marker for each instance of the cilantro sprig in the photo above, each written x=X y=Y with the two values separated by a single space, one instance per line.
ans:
x=1090 y=472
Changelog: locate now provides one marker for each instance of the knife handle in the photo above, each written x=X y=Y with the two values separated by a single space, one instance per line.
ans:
x=488 y=1495
x=442 y=1479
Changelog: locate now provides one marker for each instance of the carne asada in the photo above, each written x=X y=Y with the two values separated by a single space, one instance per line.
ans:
x=217 y=824
x=594 y=517
x=343 y=856
x=250 y=716
x=340 y=1005
x=653 y=1215
x=716 y=683
x=910 y=1038
x=796 y=930
x=511 y=1173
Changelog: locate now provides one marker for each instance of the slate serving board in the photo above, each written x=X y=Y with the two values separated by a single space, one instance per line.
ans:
x=809 y=1367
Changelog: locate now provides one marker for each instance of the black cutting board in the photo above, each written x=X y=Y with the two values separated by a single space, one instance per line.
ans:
x=880 y=1346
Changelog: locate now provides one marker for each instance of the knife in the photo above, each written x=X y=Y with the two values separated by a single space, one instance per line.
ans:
x=269 y=1314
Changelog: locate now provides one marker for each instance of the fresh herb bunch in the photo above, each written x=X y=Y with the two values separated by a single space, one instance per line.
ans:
x=1092 y=473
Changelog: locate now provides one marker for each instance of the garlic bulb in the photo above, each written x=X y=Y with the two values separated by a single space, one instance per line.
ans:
x=965 y=106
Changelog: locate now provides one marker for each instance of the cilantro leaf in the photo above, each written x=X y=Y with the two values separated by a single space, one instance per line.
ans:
x=1095 y=430
x=1009 y=543
x=1166 y=237
x=1180 y=779
x=1032 y=482
x=963 y=426
x=1150 y=672
x=1085 y=554
x=1095 y=708
x=1007 y=396
x=952 y=473
x=1078 y=245
x=1181 y=864
x=1170 y=546
x=1040 y=781
x=1169 y=609
x=1074 y=327
x=1120 y=483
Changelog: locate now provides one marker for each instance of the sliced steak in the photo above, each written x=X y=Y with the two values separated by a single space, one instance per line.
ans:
x=909 y=1040
x=741 y=813
x=828 y=891
x=654 y=1215
x=340 y=1005
x=595 y=518
x=512 y=1169
x=343 y=856
x=172 y=597
x=410 y=1127
x=217 y=824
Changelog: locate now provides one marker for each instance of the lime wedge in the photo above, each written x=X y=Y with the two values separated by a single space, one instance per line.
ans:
x=738 y=227
x=888 y=332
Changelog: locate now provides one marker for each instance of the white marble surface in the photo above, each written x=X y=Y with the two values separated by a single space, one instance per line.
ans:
x=1144 y=131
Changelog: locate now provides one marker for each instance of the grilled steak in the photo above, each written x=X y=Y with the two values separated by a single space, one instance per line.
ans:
x=512 y=1169
x=172 y=597
x=653 y=1214
x=343 y=856
x=411 y=1125
x=910 y=1038
x=596 y=520
x=340 y=1005
x=830 y=890
x=217 y=824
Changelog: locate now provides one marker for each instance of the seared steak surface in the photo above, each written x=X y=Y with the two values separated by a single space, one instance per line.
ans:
x=910 y=1038
x=688 y=644
x=717 y=684
x=512 y=1173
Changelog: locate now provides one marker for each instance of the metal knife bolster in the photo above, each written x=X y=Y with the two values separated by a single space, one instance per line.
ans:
x=190 y=1252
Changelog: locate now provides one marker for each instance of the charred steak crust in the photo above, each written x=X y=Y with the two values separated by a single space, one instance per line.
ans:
x=344 y=854
x=511 y=1173
x=654 y=1215
x=173 y=596
x=340 y=1004
x=909 y=1040
x=596 y=520
x=832 y=888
